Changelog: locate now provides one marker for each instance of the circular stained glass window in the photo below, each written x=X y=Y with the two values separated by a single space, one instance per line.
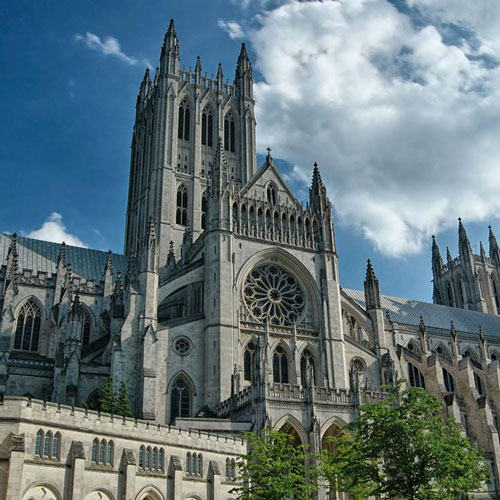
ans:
x=273 y=295
x=182 y=346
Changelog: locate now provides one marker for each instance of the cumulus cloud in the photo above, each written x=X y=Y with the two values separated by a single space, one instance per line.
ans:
x=232 y=28
x=54 y=229
x=108 y=46
x=400 y=108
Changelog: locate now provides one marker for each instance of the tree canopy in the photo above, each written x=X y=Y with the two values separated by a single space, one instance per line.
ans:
x=111 y=401
x=275 y=469
x=403 y=447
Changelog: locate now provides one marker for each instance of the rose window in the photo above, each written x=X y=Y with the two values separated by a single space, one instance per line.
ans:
x=273 y=295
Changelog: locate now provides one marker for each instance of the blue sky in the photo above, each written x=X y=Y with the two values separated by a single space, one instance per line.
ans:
x=397 y=101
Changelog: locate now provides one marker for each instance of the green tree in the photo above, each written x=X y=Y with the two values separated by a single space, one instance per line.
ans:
x=107 y=397
x=402 y=447
x=122 y=404
x=275 y=469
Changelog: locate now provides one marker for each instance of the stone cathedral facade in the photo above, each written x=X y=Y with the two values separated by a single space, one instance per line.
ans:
x=224 y=314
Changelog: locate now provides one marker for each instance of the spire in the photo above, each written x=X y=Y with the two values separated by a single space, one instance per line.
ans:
x=243 y=78
x=76 y=309
x=187 y=241
x=62 y=255
x=220 y=78
x=448 y=255
x=372 y=293
x=318 y=198
x=494 y=249
x=170 y=258
x=170 y=51
x=219 y=172
x=481 y=250
x=12 y=277
x=109 y=263
x=424 y=342
x=464 y=247
x=171 y=33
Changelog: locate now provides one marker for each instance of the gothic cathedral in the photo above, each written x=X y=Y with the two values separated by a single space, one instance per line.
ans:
x=224 y=314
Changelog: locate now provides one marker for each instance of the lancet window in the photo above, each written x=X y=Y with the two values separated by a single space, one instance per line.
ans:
x=204 y=209
x=229 y=135
x=207 y=125
x=47 y=444
x=180 y=399
x=248 y=362
x=416 y=378
x=85 y=328
x=184 y=121
x=102 y=452
x=280 y=366
x=28 y=326
x=182 y=205
x=449 y=383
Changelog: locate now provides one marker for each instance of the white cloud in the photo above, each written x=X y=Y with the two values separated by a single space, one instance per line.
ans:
x=404 y=125
x=54 y=229
x=232 y=28
x=108 y=46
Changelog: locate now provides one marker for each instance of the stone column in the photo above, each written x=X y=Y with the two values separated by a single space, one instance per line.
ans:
x=129 y=470
x=176 y=473
x=215 y=492
x=77 y=471
x=15 y=467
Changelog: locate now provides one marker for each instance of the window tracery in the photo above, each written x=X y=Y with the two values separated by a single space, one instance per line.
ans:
x=207 y=124
x=248 y=360
x=180 y=400
x=182 y=205
x=274 y=296
x=280 y=366
x=27 y=332
x=184 y=122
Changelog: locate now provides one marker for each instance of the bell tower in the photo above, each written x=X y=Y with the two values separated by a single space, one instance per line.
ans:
x=180 y=117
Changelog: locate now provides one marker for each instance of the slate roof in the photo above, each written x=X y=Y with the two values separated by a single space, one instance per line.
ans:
x=42 y=256
x=408 y=311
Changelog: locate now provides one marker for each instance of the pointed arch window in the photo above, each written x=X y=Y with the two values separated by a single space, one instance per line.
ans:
x=416 y=378
x=102 y=452
x=449 y=383
x=109 y=456
x=182 y=205
x=479 y=384
x=229 y=135
x=141 y=457
x=248 y=362
x=47 y=447
x=86 y=328
x=180 y=399
x=161 y=459
x=207 y=123
x=56 y=445
x=271 y=194
x=184 y=122
x=38 y=443
x=449 y=293
x=95 y=445
x=495 y=293
x=306 y=361
x=204 y=208
x=280 y=366
x=148 y=457
x=28 y=325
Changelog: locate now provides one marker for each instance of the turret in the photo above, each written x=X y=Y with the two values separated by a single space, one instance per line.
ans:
x=218 y=200
x=243 y=78
x=318 y=198
x=220 y=78
x=144 y=91
x=494 y=249
x=437 y=261
x=464 y=248
x=170 y=57
x=372 y=293
x=197 y=71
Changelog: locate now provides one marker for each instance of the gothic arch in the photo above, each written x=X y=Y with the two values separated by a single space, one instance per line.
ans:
x=36 y=300
x=150 y=493
x=494 y=355
x=361 y=317
x=192 y=496
x=287 y=351
x=43 y=491
x=295 y=425
x=443 y=351
x=469 y=351
x=189 y=380
x=289 y=263
x=316 y=359
x=412 y=346
x=26 y=335
x=333 y=421
x=99 y=494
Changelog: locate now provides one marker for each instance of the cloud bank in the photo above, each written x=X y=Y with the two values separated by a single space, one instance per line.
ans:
x=400 y=106
x=108 y=46
x=232 y=28
x=54 y=229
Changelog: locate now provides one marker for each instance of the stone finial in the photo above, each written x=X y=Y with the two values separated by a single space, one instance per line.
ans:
x=449 y=258
x=422 y=325
x=62 y=255
x=372 y=292
x=108 y=268
x=453 y=332
x=131 y=275
x=482 y=337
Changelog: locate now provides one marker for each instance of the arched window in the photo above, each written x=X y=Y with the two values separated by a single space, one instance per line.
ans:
x=229 y=135
x=416 y=378
x=448 y=381
x=248 y=360
x=204 y=208
x=56 y=445
x=449 y=293
x=184 y=122
x=233 y=468
x=109 y=458
x=155 y=458
x=479 y=384
x=141 y=457
x=228 y=468
x=307 y=360
x=280 y=366
x=38 y=443
x=180 y=400
x=161 y=459
x=495 y=294
x=47 y=447
x=95 y=444
x=271 y=194
x=102 y=452
x=182 y=205
x=199 y=465
x=28 y=325
x=188 y=463
x=207 y=123
x=148 y=457
x=85 y=328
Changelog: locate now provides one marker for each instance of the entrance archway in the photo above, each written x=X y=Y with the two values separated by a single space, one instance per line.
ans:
x=98 y=495
x=334 y=431
x=41 y=493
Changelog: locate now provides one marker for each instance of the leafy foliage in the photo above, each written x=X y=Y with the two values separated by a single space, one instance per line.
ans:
x=122 y=402
x=107 y=397
x=112 y=402
x=402 y=447
x=275 y=469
